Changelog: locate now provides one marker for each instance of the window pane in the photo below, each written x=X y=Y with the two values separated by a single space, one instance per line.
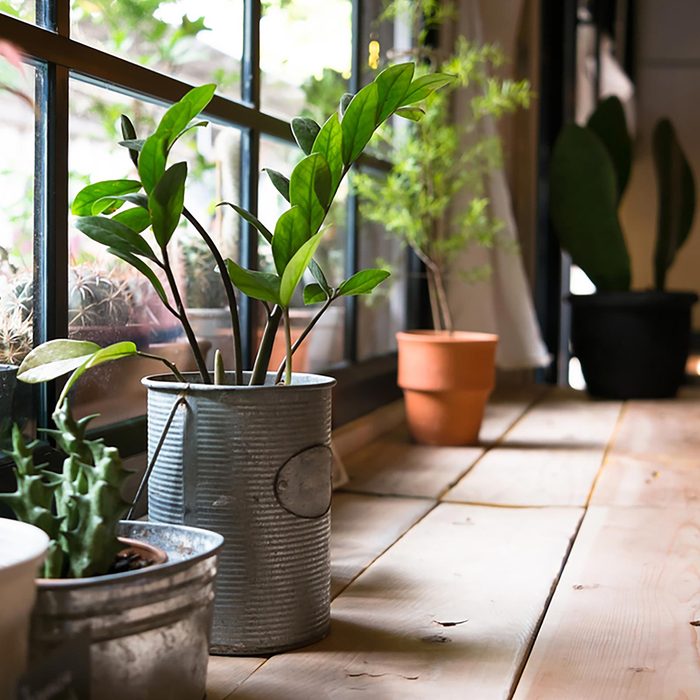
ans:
x=198 y=41
x=305 y=56
x=16 y=239
x=324 y=345
x=383 y=313
x=109 y=301
x=22 y=9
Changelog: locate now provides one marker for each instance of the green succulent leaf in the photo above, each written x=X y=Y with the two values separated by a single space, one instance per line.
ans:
x=281 y=182
x=55 y=358
x=363 y=282
x=187 y=129
x=95 y=198
x=251 y=219
x=305 y=131
x=166 y=202
x=152 y=161
x=291 y=232
x=176 y=119
x=329 y=143
x=294 y=270
x=314 y=293
x=258 y=285
x=359 y=122
x=114 y=234
x=309 y=189
x=129 y=135
x=344 y=102
x=137 y=219
x=116 y=351
x=392 y=85
x=424 y=86
x=143 y=268
x=415 y=114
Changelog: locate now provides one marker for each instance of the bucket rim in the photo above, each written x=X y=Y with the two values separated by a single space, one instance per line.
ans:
x=309 y=382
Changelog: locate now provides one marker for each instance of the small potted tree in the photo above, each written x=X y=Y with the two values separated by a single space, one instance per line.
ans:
x=248 y=453
x=631 y=344
x=447 y=375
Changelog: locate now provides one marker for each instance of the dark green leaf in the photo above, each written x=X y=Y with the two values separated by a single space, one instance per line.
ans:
x=314 y=293
x=392 y=85
x=317 y=272
x=143 y=268
x=55 y=358
x=424 y=86
x=176 y=119
x=129 y=135
x=258 y=285
x=415 y=114
x=329 y=143
x=362 y=282
x=114 y=235
x=295 y=268
x=344 y=102
x=309 y=189
x=291 y=232
x=152 y=161
x=251 y=219
x=305 y=131
x=90 y=195
x=281 y=182
x=136 y=219
x=359 y=122
x=166 y=202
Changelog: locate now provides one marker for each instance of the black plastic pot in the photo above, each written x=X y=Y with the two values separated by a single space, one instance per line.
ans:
x=8 y=378
x=632 y=345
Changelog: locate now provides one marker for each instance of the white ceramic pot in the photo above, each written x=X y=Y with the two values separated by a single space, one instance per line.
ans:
x=22 y=549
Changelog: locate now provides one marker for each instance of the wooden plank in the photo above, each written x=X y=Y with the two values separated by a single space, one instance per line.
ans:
x=620 y=621
x=447 y=612
x=530 y=477
x=504 y=408
x=226 y=673
x=362 y=527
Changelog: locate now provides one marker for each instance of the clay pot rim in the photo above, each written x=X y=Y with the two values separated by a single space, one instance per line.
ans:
x=456 y=337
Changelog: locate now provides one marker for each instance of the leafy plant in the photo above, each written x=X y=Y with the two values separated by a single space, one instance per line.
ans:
x=432 y=166
x=588 y=177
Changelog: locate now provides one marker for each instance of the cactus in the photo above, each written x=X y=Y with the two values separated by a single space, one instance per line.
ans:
x=98 y=300
x=79 y=508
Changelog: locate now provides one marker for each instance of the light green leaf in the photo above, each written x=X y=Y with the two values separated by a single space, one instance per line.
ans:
x=176 y=119
x=359 y=122
x=281 y=182
x=143 y=268
x=258 y=285
x=166 y=202
x=251 y=219
x=305 y=131
x=85 y=201
x=392 y=85
x=114 y=235
x=314 y=293
x=415 y=114
x=185 y=130
x=137 y=219
x=291 y=232
x=294 y=270
x=424 y=86
x=329 y=143
x=309 y=189
x=152 y=161
x=116 y=351
x=54 y=359
x=362 y=282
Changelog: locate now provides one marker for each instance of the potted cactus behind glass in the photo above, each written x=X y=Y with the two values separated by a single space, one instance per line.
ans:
x=631 y=344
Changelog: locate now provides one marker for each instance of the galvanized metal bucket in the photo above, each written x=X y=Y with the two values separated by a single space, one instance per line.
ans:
x=148 y=629
x=253 y=463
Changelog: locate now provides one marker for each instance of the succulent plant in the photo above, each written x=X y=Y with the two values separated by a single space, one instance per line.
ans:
x=98 y=300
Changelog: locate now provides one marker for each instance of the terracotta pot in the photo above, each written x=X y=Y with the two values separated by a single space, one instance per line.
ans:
x=446 y=379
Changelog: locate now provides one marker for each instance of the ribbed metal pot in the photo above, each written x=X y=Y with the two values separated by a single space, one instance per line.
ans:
x=148 y=629
x=253 y=463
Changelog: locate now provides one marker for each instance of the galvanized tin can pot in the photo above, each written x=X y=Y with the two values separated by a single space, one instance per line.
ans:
x=254 y=464
x=148 y=629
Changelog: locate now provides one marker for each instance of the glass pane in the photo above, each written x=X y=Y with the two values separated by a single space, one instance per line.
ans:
x=22 y=9
x=383 y=313
x=324 y=345
x=198 y=41
x=109 y=300
x=305 y=56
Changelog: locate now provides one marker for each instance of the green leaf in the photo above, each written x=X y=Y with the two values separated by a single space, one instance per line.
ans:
x=54 y=359
x=314 y=293
x=91 y=195
x=176 y=119
x=129 y=135
x=363 y=282
x=185 y=130
x=392 y=86
x=291 y=232
x=116 y=351
x=166 y=202
x=415 y=114
x=317 y=272
x=139 y=199
x=359 y=122
x=133 y=145
x=143 y=268
x=136 y=219
x=344 y=102
x=251 y=219
x=114 y=235
x=294 y=270
x=329 y=143
x=424 y=86
x=258 y=285
x=305 y=131
x=309 y=189
x=152 y=161
x=281 y=182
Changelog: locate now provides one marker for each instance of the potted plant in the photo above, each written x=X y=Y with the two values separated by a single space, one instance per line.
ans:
x=247 y=454
x=447 y=375
x=122 y=586
x=631 y=344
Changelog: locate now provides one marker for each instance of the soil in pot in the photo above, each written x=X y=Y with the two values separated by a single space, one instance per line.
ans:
x=446 y=379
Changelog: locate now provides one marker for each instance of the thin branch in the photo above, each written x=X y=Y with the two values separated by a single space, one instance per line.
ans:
x=262 y=360
x=170 y=365
x=288 y=347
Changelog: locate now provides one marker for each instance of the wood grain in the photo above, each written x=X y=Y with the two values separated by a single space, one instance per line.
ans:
x=226 y=673
x=619 y=625
x=447 y=612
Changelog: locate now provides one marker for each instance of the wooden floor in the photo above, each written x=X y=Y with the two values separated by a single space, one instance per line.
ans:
x=559 y=561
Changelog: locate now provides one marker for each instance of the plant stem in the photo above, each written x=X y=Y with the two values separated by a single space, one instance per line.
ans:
x=170 y=365
x=262 y=359
x=191 y=338
x=230 y=293
x=434 y=305
x=303 y=335
x=288 y=348
x=442 y=300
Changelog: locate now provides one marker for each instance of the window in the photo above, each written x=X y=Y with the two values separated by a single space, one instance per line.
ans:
x=89 y=61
